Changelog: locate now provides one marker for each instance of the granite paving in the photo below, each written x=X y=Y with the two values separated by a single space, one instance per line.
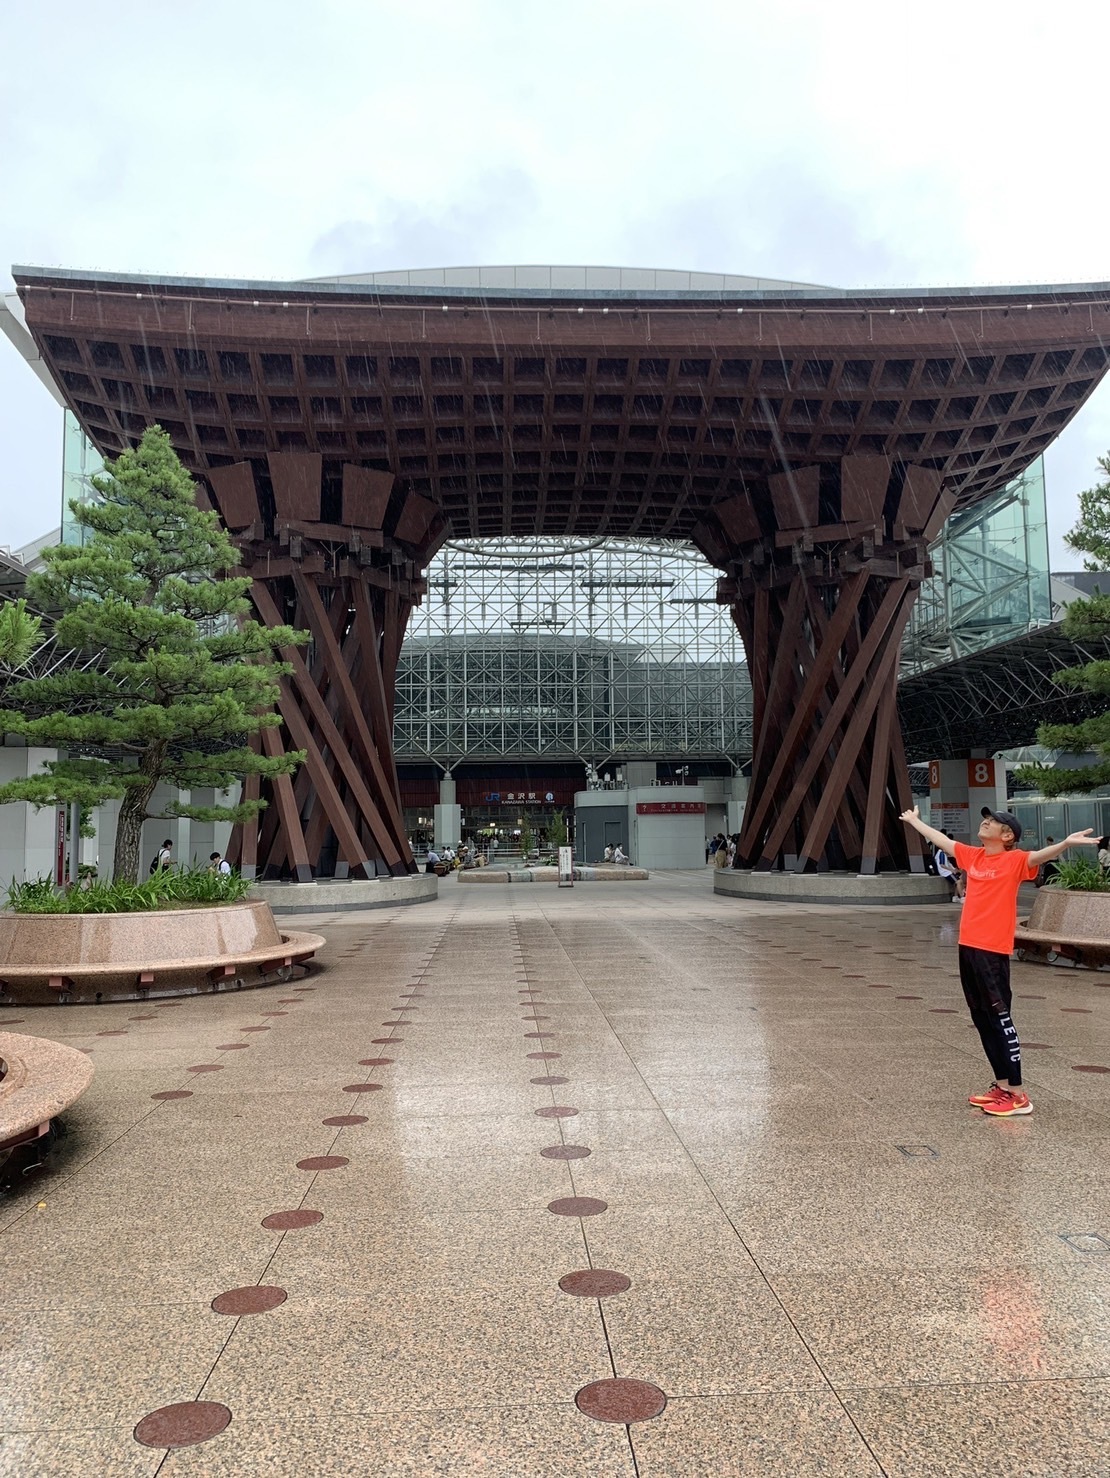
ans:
x=729 y=1214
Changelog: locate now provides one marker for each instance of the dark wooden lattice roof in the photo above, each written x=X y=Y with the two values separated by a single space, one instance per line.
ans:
x=618 y=413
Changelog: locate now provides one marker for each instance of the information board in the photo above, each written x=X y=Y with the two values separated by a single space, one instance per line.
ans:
x=566 y=867
x=953 y=820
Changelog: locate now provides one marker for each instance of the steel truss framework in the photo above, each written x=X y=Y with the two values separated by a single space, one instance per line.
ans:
x=996 y=699
x=572 y=649
x=810 y=443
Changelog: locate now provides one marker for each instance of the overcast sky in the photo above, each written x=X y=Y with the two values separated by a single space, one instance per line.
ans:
x=856 y=144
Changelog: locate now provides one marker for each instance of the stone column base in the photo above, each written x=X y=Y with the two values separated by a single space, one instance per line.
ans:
x=894 y=889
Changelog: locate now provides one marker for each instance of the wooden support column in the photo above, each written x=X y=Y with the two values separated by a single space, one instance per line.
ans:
x=300 y=689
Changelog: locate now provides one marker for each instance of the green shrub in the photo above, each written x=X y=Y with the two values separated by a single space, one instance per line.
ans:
x=170 y=888
x=1080 y=875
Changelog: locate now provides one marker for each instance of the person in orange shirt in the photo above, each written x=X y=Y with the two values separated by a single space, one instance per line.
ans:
x=995 y=871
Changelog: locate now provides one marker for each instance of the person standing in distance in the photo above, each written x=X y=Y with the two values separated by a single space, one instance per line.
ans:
x=994 y=871
x=217 y=863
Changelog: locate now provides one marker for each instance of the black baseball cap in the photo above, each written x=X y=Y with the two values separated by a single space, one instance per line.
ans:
x=1004 y=818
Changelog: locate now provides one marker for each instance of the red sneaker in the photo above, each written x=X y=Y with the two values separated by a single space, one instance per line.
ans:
x=1009 y=1105
x=992 y=1095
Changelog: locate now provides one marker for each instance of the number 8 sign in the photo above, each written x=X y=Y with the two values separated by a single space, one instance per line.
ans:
x=980 y=773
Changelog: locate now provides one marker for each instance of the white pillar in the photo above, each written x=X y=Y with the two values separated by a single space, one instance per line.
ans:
x=28 y=838
x=447 y=820
x=959 y=789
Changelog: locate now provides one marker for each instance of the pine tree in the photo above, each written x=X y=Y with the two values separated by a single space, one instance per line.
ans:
x=181 y=678
x=1084 y=620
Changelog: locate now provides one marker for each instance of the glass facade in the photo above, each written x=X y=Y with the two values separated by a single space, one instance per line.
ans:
x=991 y=582
x=81 y=462
x=571 y=649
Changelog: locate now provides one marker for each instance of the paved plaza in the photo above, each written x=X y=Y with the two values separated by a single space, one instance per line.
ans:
x=743 y=1127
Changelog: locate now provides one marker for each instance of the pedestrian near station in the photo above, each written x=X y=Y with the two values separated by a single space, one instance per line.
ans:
x=995 y=871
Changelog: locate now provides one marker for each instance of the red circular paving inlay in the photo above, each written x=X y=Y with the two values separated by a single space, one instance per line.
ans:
x=323 y=1162
x=535 y=1018
x=542 y=1056
x=148 y=1017
x=174 y=1093
x=165 y=1005
x=556 y=1111
x=1023 y=995
x=344 y=1121
x=565 y=1152
x=206 y=1067
x=1076 y=1010
x=577 y=1206
x=289 y=1001
x=254 y=1028
x=540 y=1036
x=182 y=1424
x=122 y=1032
x=908 y=998
x=1088 y=1067
x=399 y=1023
x=1037 y=1046
x=620 y=1400
x=233 y=1047
x=552 y=1081
x=253 y=1300
x=363 y=1088
x=387 y=1041
x=273 y=1013
x=291 y=1221
x=944 y=1010
x=595 y=1283
x=374 y=1061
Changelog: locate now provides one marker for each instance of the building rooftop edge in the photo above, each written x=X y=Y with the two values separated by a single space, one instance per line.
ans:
x=308 y=288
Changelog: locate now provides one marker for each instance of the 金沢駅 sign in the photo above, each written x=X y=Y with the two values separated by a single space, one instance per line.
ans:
x=670 y=808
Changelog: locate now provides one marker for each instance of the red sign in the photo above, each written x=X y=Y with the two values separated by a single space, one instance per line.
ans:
x=980 y=774
x=670 y=808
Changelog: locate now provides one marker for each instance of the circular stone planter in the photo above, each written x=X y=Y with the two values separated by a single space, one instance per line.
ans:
x=38 y=1079
x=79 y=959
x=1070 y=927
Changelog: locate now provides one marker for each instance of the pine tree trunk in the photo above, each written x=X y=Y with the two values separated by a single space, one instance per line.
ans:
x=129 y=832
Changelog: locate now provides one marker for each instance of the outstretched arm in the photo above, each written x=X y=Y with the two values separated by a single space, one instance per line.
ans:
x=1077 y=839
x=930 y=833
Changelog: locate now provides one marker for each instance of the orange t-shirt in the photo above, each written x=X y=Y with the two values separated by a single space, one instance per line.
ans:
x=989 y=914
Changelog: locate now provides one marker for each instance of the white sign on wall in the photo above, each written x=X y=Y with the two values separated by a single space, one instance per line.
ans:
x=566 y=867
x=952 y=819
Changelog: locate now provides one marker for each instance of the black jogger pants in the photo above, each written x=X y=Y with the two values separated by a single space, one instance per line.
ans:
x=985 y=977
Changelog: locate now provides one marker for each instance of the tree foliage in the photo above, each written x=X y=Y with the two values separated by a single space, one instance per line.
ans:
x=182 y=678
x=1085 y=619
x=20 y=633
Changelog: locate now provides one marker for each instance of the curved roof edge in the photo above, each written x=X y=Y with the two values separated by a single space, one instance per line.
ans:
x=307 y=289
x=537 y=277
